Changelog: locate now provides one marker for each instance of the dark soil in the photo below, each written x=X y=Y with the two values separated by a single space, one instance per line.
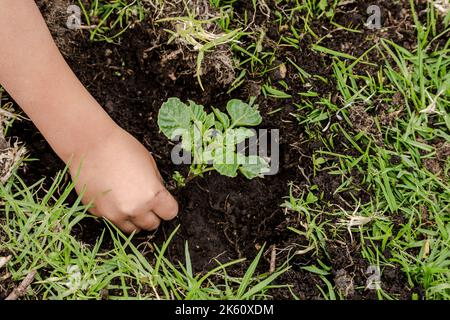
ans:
x=220 y=217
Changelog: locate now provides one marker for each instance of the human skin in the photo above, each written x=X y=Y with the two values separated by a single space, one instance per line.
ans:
x=111 y=169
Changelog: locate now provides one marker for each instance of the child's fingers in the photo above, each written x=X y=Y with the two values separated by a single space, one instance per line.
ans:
x=126 y=226
x=165 y=205
x=129 y=228
x=147 y=221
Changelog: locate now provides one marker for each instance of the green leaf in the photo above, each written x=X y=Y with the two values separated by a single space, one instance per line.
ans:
x=208 y=155
x=311 y=198
x=229 y=170
x=253 y=166
x=219 y=126
x=316 y=270
x=222 y=117
x=323 y=5
x=242 y=114
x=212 y=137
x=246 y=279
x=332 y=52
x=195 y=140
x=179 y=179
x=275 y=93
x=209 y=121
x=235 y=136
x=225 y=162
x=187 y=139
x=197 y=112
x=174 y=117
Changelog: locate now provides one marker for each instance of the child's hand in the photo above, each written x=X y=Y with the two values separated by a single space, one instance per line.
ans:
x=124 y=183
x=121 y=177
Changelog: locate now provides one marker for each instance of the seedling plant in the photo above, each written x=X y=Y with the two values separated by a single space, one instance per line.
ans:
x=214 y=139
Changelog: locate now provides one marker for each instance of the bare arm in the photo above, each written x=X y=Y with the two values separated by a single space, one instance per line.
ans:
x=120 y=175
x=33 y=71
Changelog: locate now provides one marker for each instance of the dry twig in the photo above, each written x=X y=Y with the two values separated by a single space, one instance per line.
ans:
x=273 y=259
x=23 y=286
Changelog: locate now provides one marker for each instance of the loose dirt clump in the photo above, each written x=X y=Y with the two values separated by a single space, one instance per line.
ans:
x=362 y=121
x=438 y=164
x=443 y=151
x=389 y=113
x=344 y=283
x=432 y=165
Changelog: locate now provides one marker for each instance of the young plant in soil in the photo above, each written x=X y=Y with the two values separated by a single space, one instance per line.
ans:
x=212 y=138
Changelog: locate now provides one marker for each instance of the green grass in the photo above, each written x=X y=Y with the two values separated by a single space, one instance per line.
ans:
x=191 y=32
x=107 y=20
x=391 y=158
x=38 y=233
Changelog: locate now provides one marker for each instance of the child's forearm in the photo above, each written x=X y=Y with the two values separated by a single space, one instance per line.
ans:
x=36 y=75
